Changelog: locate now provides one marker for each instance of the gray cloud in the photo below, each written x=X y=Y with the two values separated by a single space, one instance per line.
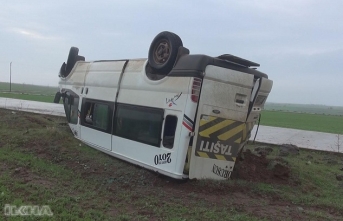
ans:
x=298 y=43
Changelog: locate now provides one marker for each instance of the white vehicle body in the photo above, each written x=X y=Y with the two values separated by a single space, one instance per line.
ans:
x=191 y=123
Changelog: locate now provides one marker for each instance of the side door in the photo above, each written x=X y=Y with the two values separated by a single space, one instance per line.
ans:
x=96 y=123
x=101 y=85
x=71 y=107
x=148 y=137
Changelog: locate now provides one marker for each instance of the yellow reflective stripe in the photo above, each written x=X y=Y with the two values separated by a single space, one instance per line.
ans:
x=230 y=133
x=238 y=140
x=203 y=121
x=220 y=157
x=202 y=154
x=207 y=132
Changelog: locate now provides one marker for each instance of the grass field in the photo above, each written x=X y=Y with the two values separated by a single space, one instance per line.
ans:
x=305 y=108
x=42 y=164
x=28 y=92
x=30 y=97
x=28 y=89
x=311 y=122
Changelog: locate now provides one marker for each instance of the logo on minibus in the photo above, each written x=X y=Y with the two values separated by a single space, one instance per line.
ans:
x=162 y=158
x=221 y=172
x=171 y=101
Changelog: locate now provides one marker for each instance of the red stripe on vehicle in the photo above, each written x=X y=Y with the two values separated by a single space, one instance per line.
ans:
x=187 y=126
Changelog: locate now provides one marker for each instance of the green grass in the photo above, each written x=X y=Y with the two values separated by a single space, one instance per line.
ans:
x=311 y=122
x=315 y=172
x=314 y=178
x=28 y=92
x=28 y=88
x=30 y=97
x=305 y=108
x=42 y=164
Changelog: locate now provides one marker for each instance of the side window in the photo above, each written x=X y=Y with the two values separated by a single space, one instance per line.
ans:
x=67 y=106
x=169 y=131
x=101 y=116
x=74 y=109
x=96 y=115
x=71 y=103
x=140 y=124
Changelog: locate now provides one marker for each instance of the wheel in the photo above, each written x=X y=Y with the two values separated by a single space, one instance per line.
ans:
x=63 y=70
x=57 y=98
x=72 y=59
x=163 y=51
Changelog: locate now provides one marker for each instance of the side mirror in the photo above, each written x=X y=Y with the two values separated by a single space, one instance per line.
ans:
x=57 y=98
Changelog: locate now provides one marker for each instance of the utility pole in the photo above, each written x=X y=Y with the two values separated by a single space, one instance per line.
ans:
x=11 y=76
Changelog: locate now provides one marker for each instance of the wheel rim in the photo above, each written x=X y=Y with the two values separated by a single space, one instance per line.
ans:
x=162 y=52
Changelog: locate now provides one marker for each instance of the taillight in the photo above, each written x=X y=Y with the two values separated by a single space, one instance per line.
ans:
x=196 y=89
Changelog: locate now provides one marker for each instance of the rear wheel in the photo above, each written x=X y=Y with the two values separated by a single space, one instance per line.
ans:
x=163 y=51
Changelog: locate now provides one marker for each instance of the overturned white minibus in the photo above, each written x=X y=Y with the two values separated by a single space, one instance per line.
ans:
x=181 y=115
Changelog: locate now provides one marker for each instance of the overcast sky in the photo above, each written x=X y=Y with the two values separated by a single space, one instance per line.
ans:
x=299 y=43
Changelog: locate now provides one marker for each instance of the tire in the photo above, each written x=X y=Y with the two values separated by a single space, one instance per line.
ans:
x=57 y=98
x=72 y=59
x=163 y=51
x=63 y=70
